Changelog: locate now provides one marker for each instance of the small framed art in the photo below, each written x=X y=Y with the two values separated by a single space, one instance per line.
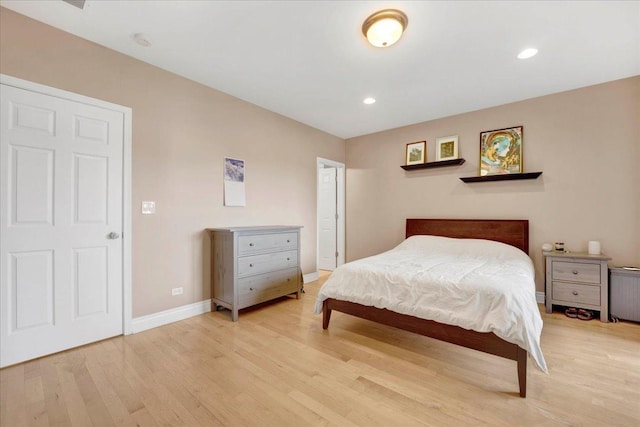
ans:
x=501 y=151
x=447 y=148
x=234 y=192
x=416 y=153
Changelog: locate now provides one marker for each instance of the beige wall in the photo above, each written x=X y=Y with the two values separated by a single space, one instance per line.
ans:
x=181 y=132
x=586 y=142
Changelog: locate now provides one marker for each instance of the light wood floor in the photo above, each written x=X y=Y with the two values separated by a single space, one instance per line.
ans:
x=277 y=367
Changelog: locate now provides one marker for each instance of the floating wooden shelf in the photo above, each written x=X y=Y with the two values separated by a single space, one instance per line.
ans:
x=439 y=164
x=504 y=177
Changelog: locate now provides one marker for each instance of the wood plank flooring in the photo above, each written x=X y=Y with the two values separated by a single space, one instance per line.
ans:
x=277 y=367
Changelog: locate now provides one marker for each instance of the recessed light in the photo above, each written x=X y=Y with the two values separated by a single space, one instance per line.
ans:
x=369 y=101
x=141 y=39
x=527 y=53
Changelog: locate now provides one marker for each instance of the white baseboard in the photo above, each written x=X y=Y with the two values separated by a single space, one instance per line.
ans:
x=540 y=297
x=306 y=278
x=154 y=320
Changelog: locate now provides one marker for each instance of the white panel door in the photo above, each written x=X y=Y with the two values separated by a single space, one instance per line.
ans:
x=327 y=210
x=61 y=218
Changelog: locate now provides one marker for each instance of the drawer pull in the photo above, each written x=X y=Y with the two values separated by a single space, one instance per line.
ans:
x=250 y=265
x=288 y=241
x=250 y=244
x=575 y=292
x=575 y=271
x=287 y=258
x=250 y=289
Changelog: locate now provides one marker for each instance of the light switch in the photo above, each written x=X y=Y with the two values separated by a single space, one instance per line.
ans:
x=148 y=207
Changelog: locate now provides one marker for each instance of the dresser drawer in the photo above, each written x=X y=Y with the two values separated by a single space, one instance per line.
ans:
x=576 y=272
x=258 y=264
x=266 y=242
x=256 y=289
x=576 y=293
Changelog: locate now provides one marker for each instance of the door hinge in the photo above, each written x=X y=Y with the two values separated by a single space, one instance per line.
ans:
x=336 y=254
x=336 y=216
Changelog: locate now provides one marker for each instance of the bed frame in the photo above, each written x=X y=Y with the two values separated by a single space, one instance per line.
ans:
x=511 y=232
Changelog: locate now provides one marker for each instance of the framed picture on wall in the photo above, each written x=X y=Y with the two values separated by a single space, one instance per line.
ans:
x=501 y=151
x=234 y=191
x=447 y=148
x=416 y=153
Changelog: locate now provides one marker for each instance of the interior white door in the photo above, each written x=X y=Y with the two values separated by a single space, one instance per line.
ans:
x=61 y=194
x=327 y=211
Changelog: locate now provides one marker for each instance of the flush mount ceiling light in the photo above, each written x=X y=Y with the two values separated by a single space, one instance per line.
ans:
x=385 y=27
x=527 y=53
x=369 y=101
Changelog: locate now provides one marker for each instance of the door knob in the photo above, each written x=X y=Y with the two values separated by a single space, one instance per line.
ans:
x=113 y=235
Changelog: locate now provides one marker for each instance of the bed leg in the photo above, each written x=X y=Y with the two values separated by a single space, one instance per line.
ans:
x=326 y=315
x=522 y=371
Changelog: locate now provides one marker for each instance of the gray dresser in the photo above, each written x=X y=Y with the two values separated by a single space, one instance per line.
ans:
x=250 y=265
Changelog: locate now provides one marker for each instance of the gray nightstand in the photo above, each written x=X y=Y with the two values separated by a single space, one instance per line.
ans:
x=577 y=279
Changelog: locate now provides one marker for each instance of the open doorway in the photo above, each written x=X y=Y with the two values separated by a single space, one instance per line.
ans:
x=330 y=214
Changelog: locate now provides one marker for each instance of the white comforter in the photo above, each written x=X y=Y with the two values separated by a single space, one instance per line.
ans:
x=480 y=285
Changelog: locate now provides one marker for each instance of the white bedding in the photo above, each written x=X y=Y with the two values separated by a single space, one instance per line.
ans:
x=480 y=285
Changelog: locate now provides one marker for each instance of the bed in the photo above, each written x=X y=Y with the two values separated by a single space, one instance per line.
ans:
x=367 y=288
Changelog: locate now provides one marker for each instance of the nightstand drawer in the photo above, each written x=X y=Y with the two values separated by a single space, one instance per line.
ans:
x=576 y=272
x=575 y=293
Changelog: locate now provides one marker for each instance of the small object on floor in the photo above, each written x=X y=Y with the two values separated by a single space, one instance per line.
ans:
x=585 y=314
x=571 y=312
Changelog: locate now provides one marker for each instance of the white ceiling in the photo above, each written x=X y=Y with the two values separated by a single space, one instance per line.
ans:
x=308 y=60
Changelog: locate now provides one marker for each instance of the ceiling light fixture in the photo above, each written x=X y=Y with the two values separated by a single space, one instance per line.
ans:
x=527 y=53
x=369 y=101
x=385 y=27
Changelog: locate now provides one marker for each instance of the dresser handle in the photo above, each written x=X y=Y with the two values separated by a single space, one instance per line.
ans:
x=287 y=259
x=250 y=289
x=250 y=265
x=575 y=292
x=575 y=271
x=288 y=240
x=250 y=244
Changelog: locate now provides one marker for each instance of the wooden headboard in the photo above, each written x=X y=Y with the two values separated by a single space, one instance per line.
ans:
x=514 y=232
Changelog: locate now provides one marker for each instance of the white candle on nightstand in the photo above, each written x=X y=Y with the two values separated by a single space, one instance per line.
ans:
x=594 y=247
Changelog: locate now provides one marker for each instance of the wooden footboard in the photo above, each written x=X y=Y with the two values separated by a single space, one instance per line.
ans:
x=486 y=342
